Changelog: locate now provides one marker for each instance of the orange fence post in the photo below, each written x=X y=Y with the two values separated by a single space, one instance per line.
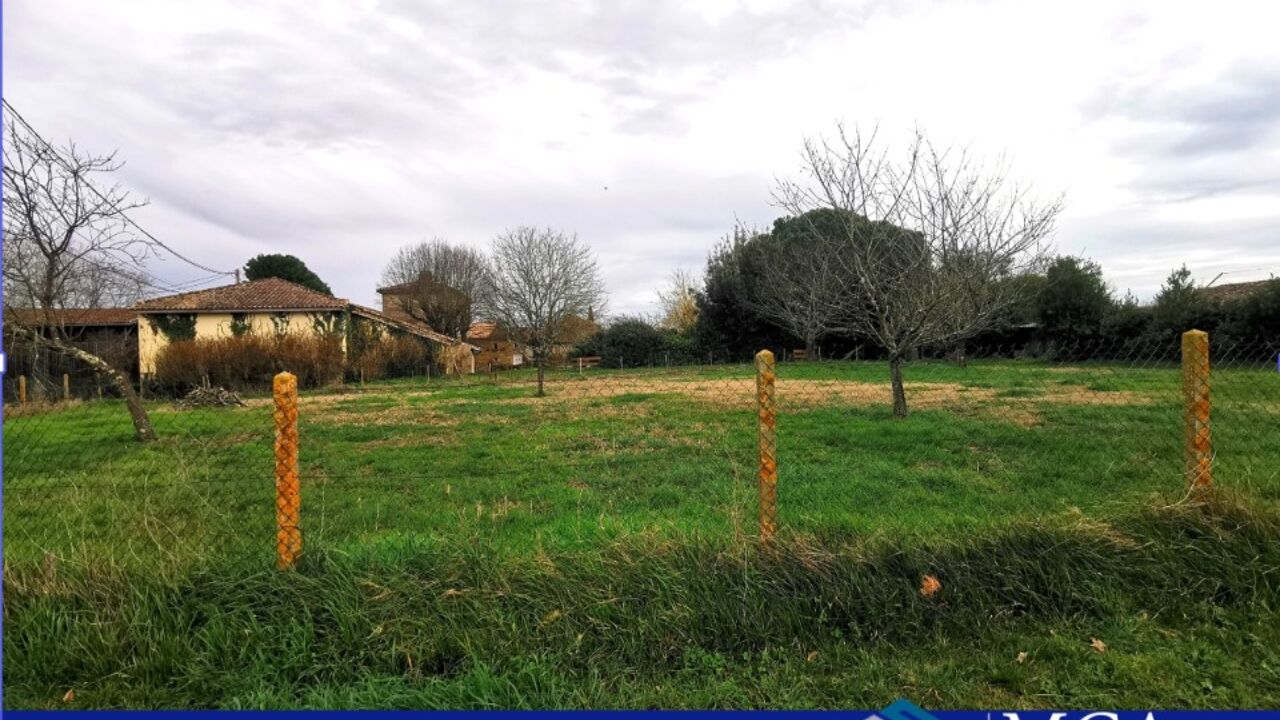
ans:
x=766 y=401
x=288 y=502
x=22 y=389
x=1195 y=390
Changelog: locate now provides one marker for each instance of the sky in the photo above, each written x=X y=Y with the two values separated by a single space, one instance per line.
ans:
x=339 y=131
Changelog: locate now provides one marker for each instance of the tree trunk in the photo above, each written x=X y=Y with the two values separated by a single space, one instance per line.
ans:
x=542 y=372
x=899 y=393
x=811 y=348
x=141 y=422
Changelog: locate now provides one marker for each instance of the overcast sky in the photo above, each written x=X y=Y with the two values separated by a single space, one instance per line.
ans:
x=339 y=131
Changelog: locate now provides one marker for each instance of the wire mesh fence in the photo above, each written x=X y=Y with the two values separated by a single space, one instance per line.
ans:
x=741 y=450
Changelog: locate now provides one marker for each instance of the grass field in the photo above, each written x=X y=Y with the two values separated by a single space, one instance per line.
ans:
x=467 y=544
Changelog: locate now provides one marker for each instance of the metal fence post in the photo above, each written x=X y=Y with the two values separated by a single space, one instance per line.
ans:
x=288 y=502
x=766 y=401
x=1195 y=390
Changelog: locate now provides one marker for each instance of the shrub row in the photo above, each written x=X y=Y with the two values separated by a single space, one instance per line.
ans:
x=248 y=361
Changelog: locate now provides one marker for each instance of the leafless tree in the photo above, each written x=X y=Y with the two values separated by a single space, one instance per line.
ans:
x=539 y=281
x=443 y=280
x=930 y=237
x=65 y=242
x=678 y=302
x=803 y=286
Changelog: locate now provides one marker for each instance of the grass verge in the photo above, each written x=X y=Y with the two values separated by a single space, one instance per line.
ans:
x=1171 y=605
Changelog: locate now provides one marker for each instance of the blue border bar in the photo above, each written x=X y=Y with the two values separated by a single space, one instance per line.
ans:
x=667 y=714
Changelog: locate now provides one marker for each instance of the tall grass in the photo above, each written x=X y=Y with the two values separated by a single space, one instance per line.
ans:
x=680 y=622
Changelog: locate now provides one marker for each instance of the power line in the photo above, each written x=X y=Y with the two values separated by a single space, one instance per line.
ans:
x=18 y=116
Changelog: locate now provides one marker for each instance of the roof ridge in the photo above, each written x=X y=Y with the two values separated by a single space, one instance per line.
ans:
x=231 y=297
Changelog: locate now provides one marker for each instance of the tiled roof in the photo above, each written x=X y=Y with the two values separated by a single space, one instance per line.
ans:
x=73 y=316
x=397 y=289
x=260 y=295
x=416 y=328
x=1234 y=291
x=481 y=330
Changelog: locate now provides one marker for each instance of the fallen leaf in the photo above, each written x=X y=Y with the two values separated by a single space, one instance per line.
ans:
x=550 y=617
x=811 y=656
x=71 y=695
x=1022 y=657
x=452 y=593
x=929 y=586
x=1097 y=645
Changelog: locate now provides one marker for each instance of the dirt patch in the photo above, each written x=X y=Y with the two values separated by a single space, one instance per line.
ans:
x=740 y=393
x=402 y=414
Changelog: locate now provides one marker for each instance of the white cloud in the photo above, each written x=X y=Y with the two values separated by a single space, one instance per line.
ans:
x=338 y=131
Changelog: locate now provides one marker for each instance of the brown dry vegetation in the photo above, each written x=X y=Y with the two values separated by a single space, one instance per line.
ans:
x=740 y=393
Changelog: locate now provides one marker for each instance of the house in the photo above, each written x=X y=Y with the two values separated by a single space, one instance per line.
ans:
x=407 y=300
x=106 y=332
x=109 y=333
x=273 y=306
x=576 y=330
x=497 y=350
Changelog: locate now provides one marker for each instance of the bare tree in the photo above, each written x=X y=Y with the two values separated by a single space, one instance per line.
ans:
x=443 y=282
x=678 y=302
x=65 y=242
x=539 y=281
x=803 y=287
x=930 y=238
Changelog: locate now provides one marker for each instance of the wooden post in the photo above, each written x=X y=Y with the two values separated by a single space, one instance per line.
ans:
x=361 y=378
x=766 y=401
x=1195 y=389
x=22 y=389
x=66 y=386
x=288 y=501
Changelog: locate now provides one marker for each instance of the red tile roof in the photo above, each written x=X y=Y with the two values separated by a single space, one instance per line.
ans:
x=255 y=295
x=397 y=289
x=1232 y=292
x=274 y=294
x=481 y=330
x=414 y=327
x=82 y=317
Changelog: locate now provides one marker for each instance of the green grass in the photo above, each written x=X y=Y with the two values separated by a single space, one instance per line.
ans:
x=469 y=545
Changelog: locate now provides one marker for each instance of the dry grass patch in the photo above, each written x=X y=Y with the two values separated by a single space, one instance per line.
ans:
x=14 y=409
x=740 y=393
x=402 y=414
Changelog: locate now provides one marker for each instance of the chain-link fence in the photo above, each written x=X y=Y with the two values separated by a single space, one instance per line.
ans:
x=742 y=450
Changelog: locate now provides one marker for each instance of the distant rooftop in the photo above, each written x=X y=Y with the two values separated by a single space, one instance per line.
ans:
x=255 y=295
x=1232 y=292
x=82 y=317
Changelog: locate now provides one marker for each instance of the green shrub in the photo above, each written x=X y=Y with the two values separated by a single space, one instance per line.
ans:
x=633 y=341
